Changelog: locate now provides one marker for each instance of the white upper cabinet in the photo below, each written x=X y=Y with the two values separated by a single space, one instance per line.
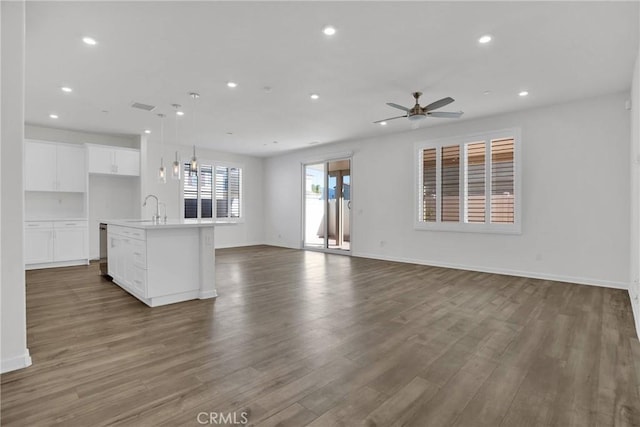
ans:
x=71 y=168
x=113 y=160
x=40 y=166
x=100 y=159
x=127 y=162
x=54 y=167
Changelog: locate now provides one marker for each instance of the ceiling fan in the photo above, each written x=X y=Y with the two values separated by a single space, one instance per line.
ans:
x=418 y=112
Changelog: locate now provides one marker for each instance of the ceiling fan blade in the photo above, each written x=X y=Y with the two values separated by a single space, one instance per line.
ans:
x=446 y=114
x=399 y=107
x=392 y=118
x=439 y=104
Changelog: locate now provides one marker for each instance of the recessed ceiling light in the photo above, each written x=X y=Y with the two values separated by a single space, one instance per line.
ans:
x=66 y=89
x=383 y=123
x=232 y=84
x=53 y=116
x=180 y=113
x=147 y=131
x=484 y=39
x=523 y=93
x=90 y=41
x=329 y=30
x=314 y=96
x=486 y=92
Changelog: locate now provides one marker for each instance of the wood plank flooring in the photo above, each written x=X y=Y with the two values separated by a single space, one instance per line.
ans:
x=309 y=339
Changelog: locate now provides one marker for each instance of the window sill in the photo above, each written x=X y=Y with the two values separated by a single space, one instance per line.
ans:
x=470 y=228
x=235 y=220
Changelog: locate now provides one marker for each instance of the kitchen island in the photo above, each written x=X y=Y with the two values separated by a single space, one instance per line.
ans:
x=163 y=262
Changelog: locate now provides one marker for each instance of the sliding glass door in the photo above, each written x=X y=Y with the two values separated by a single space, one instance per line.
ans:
x=327 y=205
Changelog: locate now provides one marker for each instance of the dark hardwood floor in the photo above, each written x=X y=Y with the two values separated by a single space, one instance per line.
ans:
x=309 y=339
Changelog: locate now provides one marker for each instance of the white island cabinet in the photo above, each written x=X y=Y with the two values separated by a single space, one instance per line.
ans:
x=163 y=263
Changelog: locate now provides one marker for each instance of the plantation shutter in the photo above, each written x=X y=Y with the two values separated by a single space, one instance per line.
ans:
x=206 y=191
x=475 y=183
x=450 y=184
x=429 y=185
x=235 y=185
x=502 y=181
x=222 y=192
x=190 y=186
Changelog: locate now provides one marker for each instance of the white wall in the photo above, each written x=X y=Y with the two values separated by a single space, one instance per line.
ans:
x=575 y=182
x=249 y=232
x=14 y=351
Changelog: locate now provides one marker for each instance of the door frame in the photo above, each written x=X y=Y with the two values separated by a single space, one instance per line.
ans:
x=325 y=160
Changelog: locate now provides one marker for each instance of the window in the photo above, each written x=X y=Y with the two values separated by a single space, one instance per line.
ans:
x=212 y=182
x=470 y=183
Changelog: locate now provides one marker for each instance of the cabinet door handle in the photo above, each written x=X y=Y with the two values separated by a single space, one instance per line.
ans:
x=137 y=253
x=71 y=223
x=33 y=225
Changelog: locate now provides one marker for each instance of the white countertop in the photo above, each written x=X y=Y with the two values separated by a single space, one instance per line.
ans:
x=147 y=224
x=49 y=219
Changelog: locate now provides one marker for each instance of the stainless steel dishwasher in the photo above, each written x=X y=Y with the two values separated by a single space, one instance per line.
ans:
x=104 y=254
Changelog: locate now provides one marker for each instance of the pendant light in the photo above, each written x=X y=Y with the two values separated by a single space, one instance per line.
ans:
x=193 y=165
x=176 y=167
x=162 y=173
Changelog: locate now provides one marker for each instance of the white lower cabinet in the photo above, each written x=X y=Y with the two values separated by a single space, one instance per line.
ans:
x=127 y=259
x=55 y=243
x=69 y=241
x=38 y=245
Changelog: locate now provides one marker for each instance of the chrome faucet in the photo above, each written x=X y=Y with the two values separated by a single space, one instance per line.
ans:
x=164 y=218
x=156 y=217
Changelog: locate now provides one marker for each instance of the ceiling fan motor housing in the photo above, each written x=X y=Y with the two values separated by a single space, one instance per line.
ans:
x=417 y=112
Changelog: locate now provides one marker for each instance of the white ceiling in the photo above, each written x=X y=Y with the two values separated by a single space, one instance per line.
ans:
x=157 y=52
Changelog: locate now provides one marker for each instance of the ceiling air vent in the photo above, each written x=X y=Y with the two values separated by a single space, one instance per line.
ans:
x=144 y=107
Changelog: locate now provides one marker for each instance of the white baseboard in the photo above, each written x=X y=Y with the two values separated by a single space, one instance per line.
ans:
x=518 y=273
x=241 y=245
x=15 y=363
x=635 y=306
x=84 y=261
x=283 y=245
x=207 y=294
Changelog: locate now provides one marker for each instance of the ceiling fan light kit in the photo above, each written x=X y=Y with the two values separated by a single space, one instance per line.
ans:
x=418 y=113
